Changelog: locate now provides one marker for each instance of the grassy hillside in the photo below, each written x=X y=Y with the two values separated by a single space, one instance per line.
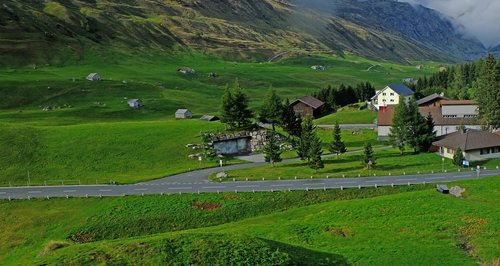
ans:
x=42 y=224
x=91 y=134
x=413 y=228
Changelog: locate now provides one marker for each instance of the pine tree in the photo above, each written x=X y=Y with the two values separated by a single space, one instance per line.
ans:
x=337 y=146
x=227 y=113
x=290 y=122
x=235 y=111
x=458 y=157
x=306 y=138
x=272 y=109
x=399 y=129
x=488 y=93
x=315 y=153
x=272 y=149
x=368 y=159
x=429 y=134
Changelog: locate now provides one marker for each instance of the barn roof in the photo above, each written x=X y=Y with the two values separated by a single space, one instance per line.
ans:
x=459 y=102
x=431 y=97
x=182 y=111
x=310 y=101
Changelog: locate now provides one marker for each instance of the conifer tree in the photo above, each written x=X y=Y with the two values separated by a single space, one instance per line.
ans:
x=488 y=93
x=290 y=122
x=272 y=149
x=368 y=159
x=458 y=157
x=306 y=138
x=399 y=130
x=272 y=109
x=227 y=112
x=315 y=152
x=337 y=146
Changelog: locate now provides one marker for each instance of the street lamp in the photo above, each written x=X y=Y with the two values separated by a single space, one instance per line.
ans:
x=442 y=165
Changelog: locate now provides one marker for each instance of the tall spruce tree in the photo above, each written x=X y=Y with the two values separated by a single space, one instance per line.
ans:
x=315 y=152
x=290 y=121
x=488 y=93
x=306 y=138
x=416 y=127
x=227 y=112
x=368 y=159
x=272 y=109
x=272 y=149
x=429 y=135
x=337 y=146
x=399 y=130
x=458 y=157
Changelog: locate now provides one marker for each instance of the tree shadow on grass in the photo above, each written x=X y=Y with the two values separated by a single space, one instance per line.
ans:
x=304 y=256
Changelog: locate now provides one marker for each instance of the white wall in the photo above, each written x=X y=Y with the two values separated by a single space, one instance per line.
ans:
x=459 y=110
x=475 y=155
x=383 y=131
x=390 y=97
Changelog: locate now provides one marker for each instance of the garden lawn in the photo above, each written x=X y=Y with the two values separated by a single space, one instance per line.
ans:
x=388 y=162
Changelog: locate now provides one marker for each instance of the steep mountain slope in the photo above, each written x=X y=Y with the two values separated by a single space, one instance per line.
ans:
x=421 y=24
x=57 y=31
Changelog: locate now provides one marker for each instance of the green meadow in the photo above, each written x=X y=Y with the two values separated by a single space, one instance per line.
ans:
x=91 y=135
x=398 y=226
x=388 y=162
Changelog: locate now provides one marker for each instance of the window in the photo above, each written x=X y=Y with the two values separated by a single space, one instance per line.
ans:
x=392 y=93
x=484 y=151
x=384 y=100
x=392 y=100
x=450 y=151
x=469 y=116
x=449 y=116
x=384 y=94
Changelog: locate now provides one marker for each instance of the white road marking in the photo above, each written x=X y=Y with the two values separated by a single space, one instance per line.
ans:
x=215 y=187
x=34 y=192
x=181 y=188
x=104 y=190
x=409 y=179
x=247 y=186
x=284 y=185
x=69 y=191
x=376 y=181
x=315 y=184
x=141 y=189
x=352 y=182
x=434 y=178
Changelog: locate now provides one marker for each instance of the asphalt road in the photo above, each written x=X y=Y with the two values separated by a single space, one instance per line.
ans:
x=197 y=184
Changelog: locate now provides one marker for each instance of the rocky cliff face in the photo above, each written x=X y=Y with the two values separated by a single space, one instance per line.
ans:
x=56 y=30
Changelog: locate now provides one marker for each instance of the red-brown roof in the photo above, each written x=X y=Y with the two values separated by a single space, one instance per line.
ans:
x=311 y=101
x=385 y=115
x=469 y=140
x=459 y=102
x=439 y=120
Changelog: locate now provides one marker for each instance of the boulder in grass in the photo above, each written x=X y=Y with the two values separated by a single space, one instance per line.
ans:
x=457 y=191
x=222 y=175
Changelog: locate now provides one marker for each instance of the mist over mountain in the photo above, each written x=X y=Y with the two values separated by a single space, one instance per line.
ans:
x=479 y=19
x=59 y=31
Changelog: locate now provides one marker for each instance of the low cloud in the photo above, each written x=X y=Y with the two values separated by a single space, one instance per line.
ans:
x=479 y=18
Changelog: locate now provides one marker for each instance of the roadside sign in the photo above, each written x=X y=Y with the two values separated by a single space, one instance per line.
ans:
x=465 y=163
